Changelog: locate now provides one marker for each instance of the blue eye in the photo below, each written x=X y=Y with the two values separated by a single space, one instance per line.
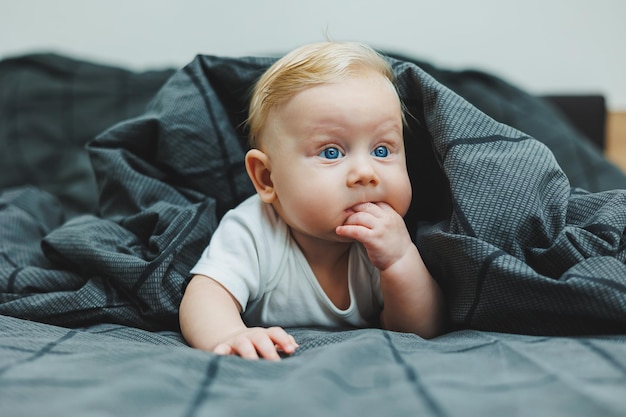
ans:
x=331 y=153
x=380 y=152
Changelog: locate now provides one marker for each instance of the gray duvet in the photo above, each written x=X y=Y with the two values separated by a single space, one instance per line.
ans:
x=531 y=264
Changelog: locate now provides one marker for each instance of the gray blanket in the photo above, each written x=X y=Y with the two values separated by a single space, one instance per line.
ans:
x=514 y=246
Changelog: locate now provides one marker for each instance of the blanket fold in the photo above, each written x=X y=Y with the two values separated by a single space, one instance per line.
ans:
x=521 y=251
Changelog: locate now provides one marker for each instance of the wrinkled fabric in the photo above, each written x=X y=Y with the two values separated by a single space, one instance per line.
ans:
x=514 y=247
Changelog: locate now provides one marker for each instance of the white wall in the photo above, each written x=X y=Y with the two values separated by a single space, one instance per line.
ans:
x=544 y=46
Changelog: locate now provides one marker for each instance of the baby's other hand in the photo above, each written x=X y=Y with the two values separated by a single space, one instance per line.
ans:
x=381 y=230
x=258 y=342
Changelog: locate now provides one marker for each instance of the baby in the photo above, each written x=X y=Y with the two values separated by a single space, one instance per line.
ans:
x=323 y=241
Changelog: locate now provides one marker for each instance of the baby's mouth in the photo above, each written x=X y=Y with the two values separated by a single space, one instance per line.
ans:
x=351 y=210
x=347 y=213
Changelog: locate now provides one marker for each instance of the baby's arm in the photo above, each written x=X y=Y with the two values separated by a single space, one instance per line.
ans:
x=413 y=300
x=210 y=319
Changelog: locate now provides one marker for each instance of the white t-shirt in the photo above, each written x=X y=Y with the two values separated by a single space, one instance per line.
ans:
x=253 y=255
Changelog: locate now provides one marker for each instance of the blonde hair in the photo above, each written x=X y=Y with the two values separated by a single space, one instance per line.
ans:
x=305 y=67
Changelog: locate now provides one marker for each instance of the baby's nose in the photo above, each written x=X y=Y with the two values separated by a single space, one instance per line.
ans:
x=362 y=173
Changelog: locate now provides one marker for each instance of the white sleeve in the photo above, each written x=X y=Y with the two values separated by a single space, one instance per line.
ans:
x=236 y=254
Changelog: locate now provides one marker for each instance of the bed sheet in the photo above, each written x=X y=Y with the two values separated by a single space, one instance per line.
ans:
x=117 y=370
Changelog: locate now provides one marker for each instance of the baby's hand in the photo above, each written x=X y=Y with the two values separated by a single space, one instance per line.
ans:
x=255 y=342
x=381 y=230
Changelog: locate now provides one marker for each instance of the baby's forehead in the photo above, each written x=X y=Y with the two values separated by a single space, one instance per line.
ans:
x=276 y=113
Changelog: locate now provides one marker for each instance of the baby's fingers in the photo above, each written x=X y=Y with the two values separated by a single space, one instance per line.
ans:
x=356 y=232
x=242 y=346
x=259 y=343
x=282 y=340
x=265 y=347
x=223 y=349
x=269 y=341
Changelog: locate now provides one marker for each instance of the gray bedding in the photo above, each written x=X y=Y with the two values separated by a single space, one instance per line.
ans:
x=522 y=223
x=116 y=370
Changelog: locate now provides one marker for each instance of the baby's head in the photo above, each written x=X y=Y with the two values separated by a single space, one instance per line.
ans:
x=305 y=67
x=326 y=131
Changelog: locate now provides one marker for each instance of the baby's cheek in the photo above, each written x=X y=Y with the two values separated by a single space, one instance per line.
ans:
x=402 y=197
x=313 y=208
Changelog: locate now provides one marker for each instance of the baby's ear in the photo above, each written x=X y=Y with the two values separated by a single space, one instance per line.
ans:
x=259 y=171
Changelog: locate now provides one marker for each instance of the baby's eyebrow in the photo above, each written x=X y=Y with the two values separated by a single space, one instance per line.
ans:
x=395 y=131
x=315 y=131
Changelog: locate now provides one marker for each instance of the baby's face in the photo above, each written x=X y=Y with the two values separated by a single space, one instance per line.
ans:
x=334 y=146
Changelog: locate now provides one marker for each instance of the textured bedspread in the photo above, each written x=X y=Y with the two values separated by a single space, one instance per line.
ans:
x=113 y=370
x=514 y=246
